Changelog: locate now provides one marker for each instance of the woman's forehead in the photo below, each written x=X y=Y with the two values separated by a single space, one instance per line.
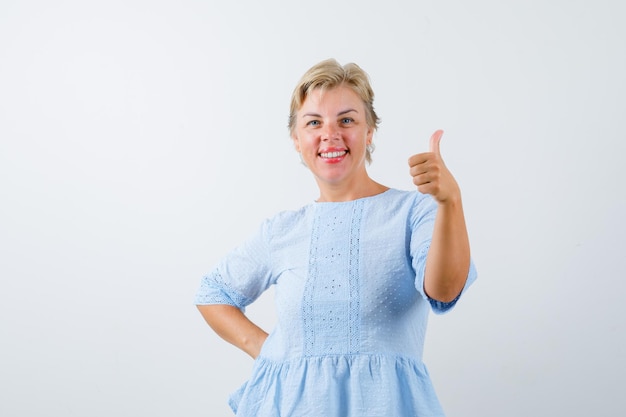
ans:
x=331 y=97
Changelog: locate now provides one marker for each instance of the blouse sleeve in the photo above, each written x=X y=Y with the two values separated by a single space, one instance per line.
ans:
x=241 y=276
x=422 y=222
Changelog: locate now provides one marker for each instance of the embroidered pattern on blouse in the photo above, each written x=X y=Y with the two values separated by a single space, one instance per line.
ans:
x=355 y=298
x=331 y=299
x=214 y=290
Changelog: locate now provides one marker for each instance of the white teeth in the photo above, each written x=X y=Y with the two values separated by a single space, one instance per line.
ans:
x=332 y=154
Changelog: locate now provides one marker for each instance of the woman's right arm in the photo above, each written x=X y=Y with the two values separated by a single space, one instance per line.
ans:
x=232 y=325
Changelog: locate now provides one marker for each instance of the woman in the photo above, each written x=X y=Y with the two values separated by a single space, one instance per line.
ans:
x=355 y=272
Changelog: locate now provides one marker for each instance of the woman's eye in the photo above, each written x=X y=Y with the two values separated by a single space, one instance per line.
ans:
x=346 y=120
x=313 y=123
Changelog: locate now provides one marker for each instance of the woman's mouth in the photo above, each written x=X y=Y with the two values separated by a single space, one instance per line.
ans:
x=333 y=154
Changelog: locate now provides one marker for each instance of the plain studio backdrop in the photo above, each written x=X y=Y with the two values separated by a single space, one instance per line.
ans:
x=142 y=140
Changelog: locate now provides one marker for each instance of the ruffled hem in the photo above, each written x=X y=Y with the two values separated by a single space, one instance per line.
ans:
x=235 y=397
x=342 y=385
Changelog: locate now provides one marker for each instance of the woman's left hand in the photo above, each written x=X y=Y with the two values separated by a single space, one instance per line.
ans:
x=431 y=175
x=448 y=260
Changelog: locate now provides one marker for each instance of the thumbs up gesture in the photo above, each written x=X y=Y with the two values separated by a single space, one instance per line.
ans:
x=431 y=175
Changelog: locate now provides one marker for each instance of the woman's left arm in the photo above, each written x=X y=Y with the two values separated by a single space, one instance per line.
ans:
x=448 y=260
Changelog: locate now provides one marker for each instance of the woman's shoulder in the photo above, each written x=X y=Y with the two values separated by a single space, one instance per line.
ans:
x=411 y=204
x=391 y=199
x=287 y=219
x=395 y=195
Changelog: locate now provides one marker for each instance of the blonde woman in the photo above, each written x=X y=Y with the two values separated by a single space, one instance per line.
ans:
x=356 y=272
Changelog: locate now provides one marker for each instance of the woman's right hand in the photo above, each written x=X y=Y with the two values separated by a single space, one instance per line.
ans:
x=234 y=327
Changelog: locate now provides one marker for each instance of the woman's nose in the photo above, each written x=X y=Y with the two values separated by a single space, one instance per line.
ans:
x=330 y=133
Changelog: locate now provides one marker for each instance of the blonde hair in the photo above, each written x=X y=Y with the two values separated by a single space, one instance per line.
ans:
x=329 y=74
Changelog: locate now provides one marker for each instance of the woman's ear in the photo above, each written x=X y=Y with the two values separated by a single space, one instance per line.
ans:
x=370 y=136
x=296 y=142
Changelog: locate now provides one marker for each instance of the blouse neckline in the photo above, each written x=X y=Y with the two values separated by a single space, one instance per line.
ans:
x=370 y=197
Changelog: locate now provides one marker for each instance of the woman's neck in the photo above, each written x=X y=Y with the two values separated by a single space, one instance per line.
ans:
x=349 y=192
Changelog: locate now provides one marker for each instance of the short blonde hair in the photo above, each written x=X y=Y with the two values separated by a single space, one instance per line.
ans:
x=329 y=74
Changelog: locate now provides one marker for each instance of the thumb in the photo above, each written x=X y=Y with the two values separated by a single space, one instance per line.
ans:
x=434 y=141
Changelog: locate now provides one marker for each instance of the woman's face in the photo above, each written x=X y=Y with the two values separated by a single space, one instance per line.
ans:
x=332 y=134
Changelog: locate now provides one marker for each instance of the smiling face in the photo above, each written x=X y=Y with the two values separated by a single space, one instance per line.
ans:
x=331 y=133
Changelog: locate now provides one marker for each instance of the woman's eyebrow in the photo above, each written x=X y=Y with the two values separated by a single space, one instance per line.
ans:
x=341 y=113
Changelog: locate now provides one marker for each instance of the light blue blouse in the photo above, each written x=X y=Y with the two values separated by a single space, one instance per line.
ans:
x=351 y=308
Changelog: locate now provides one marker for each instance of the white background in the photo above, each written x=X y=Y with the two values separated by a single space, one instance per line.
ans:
x=142 y=140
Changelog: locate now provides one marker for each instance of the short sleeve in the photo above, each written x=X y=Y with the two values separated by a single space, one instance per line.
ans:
x=422 y=222
x=241 y=276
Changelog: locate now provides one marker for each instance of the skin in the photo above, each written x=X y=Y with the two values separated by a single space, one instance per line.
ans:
x=233 y=326
x=332 y=134
x=448 y=260
x=335 y=121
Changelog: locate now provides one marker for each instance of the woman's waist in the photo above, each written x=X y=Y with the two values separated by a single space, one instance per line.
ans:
x=284 y=346
x=368 y=359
